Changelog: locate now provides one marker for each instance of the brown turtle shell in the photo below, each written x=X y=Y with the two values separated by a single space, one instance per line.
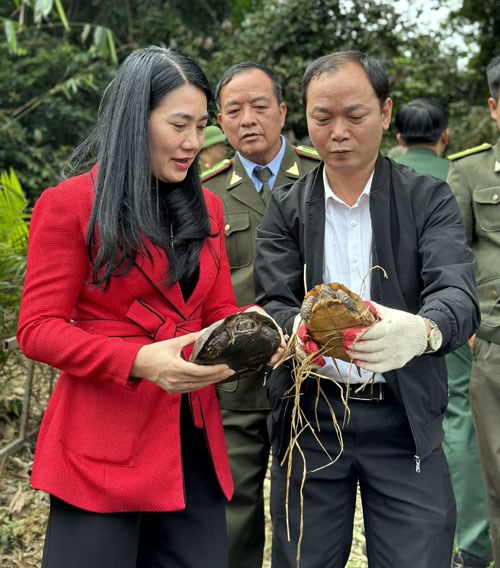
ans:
x=328 y=310
x=244 y=341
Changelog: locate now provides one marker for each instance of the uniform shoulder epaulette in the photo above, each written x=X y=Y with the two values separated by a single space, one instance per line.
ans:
x=307 y=152
x=469 y=152
x=216 y=169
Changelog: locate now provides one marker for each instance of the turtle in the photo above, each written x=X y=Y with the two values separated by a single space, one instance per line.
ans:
x=244 y=341
x=328 y=310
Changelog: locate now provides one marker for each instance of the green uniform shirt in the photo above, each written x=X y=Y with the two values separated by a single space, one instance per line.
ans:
x=474 y=178
x=425 y=161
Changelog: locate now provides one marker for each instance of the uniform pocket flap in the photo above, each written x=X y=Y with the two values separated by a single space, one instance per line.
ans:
x=487 y=195
x=236 y=222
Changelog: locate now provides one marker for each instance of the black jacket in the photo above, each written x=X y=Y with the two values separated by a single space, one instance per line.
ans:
x=419 y=241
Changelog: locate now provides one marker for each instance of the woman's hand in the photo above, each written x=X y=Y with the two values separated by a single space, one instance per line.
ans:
x=276 y=357
x=162 y=364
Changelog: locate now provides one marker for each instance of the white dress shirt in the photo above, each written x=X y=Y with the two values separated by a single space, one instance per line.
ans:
x=347 y=260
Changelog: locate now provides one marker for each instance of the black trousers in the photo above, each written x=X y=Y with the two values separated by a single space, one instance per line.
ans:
x=409 y=517
x=190 y=538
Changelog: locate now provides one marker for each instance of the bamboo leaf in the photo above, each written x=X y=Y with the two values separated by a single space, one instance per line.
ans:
x=62 y=15
x=10 y=35
x=99 y=38
x=112 y=48
x=85 y=32
x=42 y=9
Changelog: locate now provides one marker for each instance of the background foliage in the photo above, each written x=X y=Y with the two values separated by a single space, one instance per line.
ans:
x=56 y=58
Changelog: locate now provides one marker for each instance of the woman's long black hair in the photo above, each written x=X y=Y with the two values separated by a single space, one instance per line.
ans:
x=127 y=208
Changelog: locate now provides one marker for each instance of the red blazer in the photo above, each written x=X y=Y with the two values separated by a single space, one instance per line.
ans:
x=108 y=443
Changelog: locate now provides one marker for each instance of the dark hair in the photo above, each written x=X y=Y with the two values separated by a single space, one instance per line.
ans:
x=334 y=61
x=230 y=73
x=421 y=121
x=127 y=208
x=493 y=76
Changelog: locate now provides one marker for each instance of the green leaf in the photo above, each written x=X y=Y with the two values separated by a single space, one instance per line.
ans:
x=85 y=32
x=99 y=38
x=111 y=45
x=104 y=43
x=10 y=35
x=42 y=9
x=62 y=15
x=13 y=223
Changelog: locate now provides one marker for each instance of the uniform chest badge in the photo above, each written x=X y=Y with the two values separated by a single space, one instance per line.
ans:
x=234 y=178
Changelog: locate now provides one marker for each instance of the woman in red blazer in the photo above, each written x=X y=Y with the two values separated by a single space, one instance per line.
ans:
x=126 y=264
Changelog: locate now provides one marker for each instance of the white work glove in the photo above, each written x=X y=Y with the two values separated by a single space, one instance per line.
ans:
x=388 y=344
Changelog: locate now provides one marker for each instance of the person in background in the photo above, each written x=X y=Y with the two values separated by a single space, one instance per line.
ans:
x=422 y=129
x=396 y=238
x=126 y=264
x=252 y=114
x=474 y=178
x=214 y=148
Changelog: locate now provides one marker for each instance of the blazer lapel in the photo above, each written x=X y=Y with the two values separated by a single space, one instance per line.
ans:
x=153 y=271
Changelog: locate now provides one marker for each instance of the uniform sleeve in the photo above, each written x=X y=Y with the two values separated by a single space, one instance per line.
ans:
x=462 y=191
x=57 y=268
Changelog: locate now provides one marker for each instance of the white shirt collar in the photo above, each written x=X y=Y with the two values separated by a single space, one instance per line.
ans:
x=329 y=193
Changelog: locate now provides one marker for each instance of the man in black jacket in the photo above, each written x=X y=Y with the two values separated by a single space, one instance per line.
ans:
x=396 y=238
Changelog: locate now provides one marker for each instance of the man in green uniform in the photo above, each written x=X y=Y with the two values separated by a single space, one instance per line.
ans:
x=422 y=126
x=214 y=148
x=252 y=115
x=474 y=178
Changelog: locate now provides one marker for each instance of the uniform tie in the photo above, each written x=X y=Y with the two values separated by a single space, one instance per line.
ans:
x=263 y=175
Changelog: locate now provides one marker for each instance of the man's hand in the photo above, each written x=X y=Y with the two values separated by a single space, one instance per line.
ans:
x=305 y=345
x=470 y=341
x=388 y=344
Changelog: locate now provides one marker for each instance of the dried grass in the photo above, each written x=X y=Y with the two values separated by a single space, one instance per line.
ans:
x=304 y=369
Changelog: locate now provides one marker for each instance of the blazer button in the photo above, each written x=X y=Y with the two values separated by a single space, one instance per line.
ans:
x=494 y=294
x=226 y=228
x=495 y=197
